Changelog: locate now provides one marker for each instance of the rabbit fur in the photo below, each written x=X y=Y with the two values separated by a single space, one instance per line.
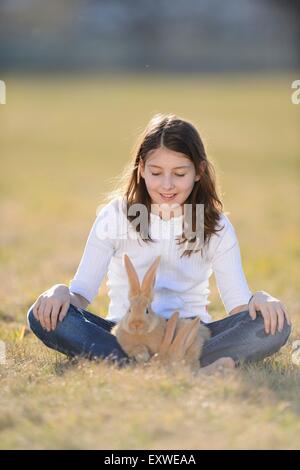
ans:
x=141 y=331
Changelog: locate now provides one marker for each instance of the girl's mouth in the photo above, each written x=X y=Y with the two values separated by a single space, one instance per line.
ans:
x=166 y=197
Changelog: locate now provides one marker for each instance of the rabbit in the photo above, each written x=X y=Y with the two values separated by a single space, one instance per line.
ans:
x=141 y=331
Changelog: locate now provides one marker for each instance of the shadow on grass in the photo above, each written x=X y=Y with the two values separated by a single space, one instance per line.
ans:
x=275 y=377
x=60 y=368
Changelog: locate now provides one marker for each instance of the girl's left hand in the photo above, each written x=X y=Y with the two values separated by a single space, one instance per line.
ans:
x=272 y=310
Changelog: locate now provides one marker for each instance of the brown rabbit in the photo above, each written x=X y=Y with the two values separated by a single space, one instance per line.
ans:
x=141 y=331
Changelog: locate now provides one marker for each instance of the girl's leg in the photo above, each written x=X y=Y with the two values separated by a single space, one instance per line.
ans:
x=80 y=334
x=242 y=339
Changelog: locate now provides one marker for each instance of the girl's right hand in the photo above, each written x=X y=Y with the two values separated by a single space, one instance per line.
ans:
x=51 y=305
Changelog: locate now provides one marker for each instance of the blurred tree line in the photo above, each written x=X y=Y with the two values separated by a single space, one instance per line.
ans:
x=155 y=35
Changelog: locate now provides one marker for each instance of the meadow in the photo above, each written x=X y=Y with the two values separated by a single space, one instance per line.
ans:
x=63 y=141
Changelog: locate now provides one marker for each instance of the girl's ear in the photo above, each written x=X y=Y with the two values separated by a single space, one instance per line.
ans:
x=141 y=168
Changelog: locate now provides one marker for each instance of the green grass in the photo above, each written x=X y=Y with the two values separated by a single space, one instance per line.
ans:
x=62 y=140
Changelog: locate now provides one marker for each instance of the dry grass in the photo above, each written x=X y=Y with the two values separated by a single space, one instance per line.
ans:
x=62 y=140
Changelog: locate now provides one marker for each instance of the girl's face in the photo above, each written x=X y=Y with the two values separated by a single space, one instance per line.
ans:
x=169 y=176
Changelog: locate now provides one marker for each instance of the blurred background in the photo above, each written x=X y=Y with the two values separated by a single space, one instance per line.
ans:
x=136 y=35
x=84 y=77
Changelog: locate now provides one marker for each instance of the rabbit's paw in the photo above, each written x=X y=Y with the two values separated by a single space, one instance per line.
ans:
x=141 y=354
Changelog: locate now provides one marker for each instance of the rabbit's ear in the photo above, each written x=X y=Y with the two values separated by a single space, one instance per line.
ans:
x=134 y=283
x=186 y=336
x=192 y=332
x=149 y=278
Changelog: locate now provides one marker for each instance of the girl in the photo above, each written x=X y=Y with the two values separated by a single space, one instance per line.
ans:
x=170 y=171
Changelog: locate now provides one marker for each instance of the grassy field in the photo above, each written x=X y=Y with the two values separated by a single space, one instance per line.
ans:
x=62 y=140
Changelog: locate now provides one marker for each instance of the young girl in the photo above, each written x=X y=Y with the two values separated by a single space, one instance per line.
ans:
x=170 y=171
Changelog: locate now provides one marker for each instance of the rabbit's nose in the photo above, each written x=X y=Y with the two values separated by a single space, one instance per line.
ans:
x=136 y=324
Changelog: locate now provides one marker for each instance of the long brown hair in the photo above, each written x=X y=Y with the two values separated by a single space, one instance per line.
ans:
x=173 y=133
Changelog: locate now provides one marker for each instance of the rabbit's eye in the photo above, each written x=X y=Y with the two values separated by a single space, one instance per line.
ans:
x=147 y=311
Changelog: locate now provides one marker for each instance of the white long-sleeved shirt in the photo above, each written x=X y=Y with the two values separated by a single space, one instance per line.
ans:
x=181 y=283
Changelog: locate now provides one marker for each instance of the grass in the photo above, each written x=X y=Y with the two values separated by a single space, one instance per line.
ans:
x=62 y=140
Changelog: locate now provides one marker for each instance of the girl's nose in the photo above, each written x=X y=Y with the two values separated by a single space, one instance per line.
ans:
x=167 y=184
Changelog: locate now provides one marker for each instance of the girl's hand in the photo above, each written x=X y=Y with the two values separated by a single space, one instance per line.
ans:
x=51 y=305
x=272 y=310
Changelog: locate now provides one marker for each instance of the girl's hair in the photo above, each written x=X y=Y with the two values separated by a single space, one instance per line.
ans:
x=173 y=133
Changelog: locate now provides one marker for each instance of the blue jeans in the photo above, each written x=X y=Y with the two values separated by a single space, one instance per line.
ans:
x=84 y=334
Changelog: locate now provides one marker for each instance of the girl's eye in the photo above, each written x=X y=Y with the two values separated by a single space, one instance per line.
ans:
x=157 y=174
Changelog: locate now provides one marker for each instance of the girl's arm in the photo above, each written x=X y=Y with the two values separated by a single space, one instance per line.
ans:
x=52 y=305
x=227 y=267
x=78 y=300
x=98 y=251
x=240 y=308
x=233 y=287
